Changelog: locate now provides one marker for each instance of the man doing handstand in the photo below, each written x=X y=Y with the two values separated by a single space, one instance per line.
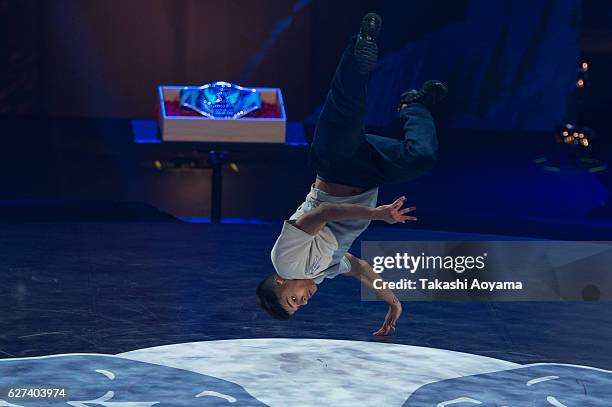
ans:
x=350 y=165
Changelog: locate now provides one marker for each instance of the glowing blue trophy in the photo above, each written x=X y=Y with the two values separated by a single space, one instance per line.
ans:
x=220 y=100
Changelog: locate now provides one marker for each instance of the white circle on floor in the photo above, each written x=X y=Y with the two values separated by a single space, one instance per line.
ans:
x=316 y=372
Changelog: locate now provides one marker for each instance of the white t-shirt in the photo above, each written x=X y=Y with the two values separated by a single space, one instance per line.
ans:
x=299 y=255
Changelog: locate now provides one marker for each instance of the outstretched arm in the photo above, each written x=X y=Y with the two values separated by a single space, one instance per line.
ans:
x=362 y=271
x=312 y=222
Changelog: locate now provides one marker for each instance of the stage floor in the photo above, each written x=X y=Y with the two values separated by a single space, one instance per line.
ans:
x=111 y=288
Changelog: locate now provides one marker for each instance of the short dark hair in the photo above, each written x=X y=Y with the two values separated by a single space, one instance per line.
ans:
x=267 y=299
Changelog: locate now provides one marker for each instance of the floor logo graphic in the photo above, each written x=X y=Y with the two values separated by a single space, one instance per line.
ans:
x=258 y=372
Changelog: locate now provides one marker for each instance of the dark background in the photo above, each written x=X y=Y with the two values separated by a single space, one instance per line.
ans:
x=83 y=274
x=503 y=60
x=73 y=75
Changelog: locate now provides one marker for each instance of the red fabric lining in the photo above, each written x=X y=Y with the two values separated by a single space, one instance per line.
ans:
x=267 y=111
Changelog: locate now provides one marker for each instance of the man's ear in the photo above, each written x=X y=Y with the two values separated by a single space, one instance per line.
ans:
x=279 y=280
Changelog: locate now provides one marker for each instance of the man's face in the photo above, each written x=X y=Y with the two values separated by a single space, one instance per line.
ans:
x=295 y=293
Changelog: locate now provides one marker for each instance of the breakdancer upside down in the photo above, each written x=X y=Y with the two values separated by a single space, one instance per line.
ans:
x=350 y=167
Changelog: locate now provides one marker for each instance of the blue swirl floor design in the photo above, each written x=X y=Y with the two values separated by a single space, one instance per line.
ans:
x=124 y=381
x=96 y=380
x=549 y=385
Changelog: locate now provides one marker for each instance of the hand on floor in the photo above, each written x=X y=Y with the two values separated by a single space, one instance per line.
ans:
x=393 y=315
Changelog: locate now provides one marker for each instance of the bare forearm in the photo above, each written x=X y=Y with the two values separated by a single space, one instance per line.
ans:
x=312 y=222
x=334 y=212
x=361 y=270
x=368 y=276
x=391 y=213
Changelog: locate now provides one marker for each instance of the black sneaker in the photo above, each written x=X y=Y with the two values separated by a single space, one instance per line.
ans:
x=366 y=49
x=430 y=93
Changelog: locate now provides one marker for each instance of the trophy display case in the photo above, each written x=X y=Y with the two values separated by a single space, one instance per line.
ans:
x=263 y=121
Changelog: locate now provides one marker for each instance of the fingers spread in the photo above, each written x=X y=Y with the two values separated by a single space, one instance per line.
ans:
x=399 y=202
x=406 y=210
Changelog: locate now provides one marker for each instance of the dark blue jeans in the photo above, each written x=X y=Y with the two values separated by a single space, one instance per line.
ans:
x=342 y=152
